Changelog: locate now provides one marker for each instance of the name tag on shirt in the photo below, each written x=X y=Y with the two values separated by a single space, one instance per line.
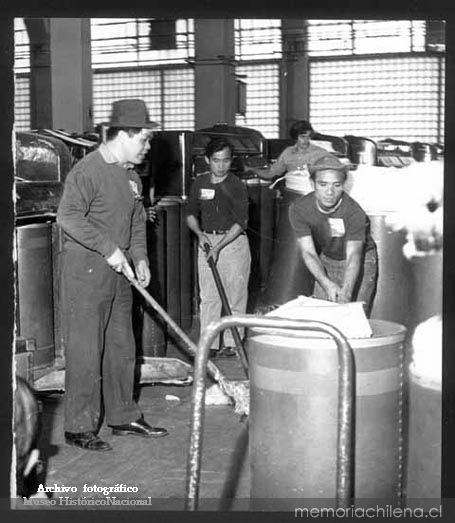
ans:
x=207 y=194
x=336 y=227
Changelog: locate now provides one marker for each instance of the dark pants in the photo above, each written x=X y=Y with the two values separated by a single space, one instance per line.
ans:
x=365 y=287
x=100 y=349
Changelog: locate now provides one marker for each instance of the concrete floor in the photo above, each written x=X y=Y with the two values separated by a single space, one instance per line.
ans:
x=157 y=467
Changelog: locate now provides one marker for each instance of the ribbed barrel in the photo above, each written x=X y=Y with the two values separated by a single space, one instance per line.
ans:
x=34 y=285
x=293 y=415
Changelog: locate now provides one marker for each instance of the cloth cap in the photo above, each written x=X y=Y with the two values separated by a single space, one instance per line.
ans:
x=130 y=113
x=327 y=162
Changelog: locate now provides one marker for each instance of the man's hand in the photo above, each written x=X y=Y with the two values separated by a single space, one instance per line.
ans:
x=143 y=273
x=344 y=297
x=151 y=213
x=119 y=263
x=213 y=253
x=333 y=291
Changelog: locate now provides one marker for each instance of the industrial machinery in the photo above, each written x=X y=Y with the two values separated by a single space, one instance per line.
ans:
x=41 y=164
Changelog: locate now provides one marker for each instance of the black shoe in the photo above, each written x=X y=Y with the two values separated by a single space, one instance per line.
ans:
x=139 y=428
x=213 y=353
x=86 y=441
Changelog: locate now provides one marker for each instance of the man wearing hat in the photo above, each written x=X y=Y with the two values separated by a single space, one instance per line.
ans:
x=103 y=222
x=334 y=237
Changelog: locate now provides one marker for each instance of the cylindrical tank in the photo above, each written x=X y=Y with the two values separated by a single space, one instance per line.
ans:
x=253 y=187
x=425 y=412
x=153 y=327
x=361 y=150
x=186 y=271
x=426 y=298
x=293 y=415
x=288 y=276
x=424 y=380
x=393 y=295
x=267 y=229
x=172 y=245
x=34 y=286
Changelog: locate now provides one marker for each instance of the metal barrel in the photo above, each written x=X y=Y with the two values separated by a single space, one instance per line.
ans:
x=34 y=287
x=186 y=271
x=426 y=297
x=267 y=230
x=254 y=238
x=153 y=328
x=173 y=253
x=394 y=287
x=293 y=416
x=288 y=276
x=424 y=437
x=425 y=381
x=344 y=460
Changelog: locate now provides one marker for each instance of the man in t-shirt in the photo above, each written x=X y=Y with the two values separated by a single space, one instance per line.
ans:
x=217 y=213
x=334 y=237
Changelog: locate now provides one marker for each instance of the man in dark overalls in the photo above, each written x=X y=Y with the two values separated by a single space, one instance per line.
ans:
x=103 y=220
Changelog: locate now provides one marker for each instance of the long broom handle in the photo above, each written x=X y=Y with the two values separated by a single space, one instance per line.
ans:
x=227 y=309
x=191 y=347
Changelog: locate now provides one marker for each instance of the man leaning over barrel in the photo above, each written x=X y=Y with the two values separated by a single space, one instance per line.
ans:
x=334 y=237
x=103 y=221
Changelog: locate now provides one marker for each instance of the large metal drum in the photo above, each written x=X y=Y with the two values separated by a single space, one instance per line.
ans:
x=172 y=210
x=267 y=229
x=424 y=433
x=254 y=238
x=426 y=297
x=153 y=327
x=424 y=380
x=34 y=287
x=293 y=415
x=393 y=295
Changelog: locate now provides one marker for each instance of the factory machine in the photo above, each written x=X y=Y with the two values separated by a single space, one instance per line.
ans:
x=42 y=161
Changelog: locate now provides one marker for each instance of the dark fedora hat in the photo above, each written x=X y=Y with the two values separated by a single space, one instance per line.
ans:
x=130 y=113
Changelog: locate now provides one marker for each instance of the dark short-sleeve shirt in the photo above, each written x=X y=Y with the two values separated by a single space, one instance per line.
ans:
x=218 y=206
x=331 y=232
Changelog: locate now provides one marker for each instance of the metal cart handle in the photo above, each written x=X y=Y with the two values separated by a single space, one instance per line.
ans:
x=346 y=391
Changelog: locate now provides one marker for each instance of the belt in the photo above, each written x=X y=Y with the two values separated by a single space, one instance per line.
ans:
x=221 y=232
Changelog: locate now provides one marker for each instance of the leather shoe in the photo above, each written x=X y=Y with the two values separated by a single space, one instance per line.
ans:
x=139 y=428
x=86 y=441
